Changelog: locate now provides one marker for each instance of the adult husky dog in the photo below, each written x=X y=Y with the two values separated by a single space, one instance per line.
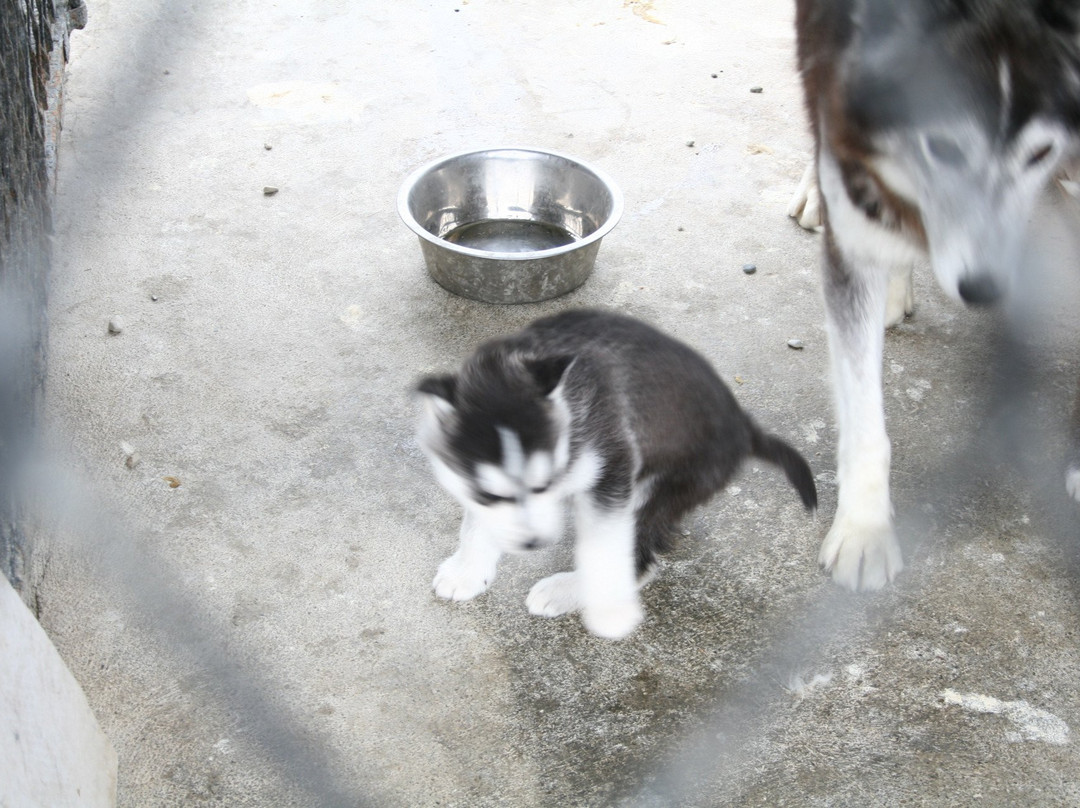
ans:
x=633 y=426
x=937 y=124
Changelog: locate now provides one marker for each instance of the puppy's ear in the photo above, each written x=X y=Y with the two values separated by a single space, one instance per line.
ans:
x=548 y=372
x=439 y=392
x=443 y=387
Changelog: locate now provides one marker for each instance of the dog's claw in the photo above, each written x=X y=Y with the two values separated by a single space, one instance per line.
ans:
x=862 y=558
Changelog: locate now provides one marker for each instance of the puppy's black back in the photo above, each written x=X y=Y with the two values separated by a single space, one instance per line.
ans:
x=688 y=432
x=672 y=400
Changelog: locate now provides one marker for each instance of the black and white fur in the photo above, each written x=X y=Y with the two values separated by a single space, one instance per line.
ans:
x=938 y=124
x=632 y=426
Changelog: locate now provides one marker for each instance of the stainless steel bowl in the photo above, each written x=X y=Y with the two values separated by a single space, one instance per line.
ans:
x=509 y=225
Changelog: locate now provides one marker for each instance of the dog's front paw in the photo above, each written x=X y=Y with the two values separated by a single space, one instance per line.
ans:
x=460 y=579
x=861 y=556
x=613 y=621
x=555 y=595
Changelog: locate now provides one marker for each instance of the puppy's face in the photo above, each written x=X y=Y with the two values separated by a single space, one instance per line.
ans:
x=499 y=442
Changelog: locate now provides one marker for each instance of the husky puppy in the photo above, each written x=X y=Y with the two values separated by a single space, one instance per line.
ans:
x=938 y=124
x=632 y=426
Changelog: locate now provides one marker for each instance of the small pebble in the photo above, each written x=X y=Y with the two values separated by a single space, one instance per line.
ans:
x=680 y=228
x=269 y=190
x=714 y=75
x=756 y=89
x=173 y=482
x=116 y=325
x=797 y=344
x=154 y=298
x=131 y=457
x=690 y=144
x=749 y=269
x=267 y=146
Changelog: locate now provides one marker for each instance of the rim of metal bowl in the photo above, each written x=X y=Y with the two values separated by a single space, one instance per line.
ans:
x=605 y=228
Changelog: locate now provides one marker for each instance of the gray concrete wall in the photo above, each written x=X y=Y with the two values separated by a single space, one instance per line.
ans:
x=52 y=751
x=33 y=46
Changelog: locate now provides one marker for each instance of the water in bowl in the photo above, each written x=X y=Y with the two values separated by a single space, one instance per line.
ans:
x=510 y=235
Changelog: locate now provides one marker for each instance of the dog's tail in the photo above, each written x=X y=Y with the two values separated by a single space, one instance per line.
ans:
x=771 y=448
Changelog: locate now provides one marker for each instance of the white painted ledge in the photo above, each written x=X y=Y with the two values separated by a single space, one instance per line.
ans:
x=52 y=751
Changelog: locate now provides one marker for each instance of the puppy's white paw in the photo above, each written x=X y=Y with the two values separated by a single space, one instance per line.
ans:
x=460 y=579
x=555 y=595
x=613 y=621
x=861 y=556
x=1072 y=482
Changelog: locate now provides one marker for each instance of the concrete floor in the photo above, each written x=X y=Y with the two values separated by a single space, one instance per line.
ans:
x=264 y=633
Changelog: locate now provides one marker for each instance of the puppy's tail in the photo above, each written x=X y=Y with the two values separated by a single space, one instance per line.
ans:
x=771 y=448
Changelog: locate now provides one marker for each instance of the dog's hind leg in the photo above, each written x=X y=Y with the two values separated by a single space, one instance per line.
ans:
x=666 y=497
x=805 y=204
x=471 y=569
x=900 y=300
x=860 y=550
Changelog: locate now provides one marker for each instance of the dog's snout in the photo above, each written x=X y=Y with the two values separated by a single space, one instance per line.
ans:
x=979 y=290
